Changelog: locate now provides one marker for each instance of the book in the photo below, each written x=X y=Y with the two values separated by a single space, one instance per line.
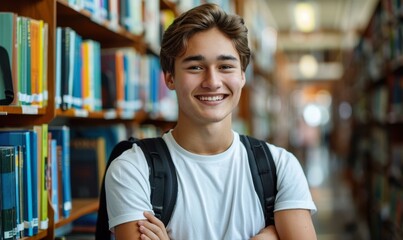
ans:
x=152 y=23
x=20 y=191
x=91 y=75
x=35 y=49
x=42 y=133
x=66 y=68
x=53 y=188
x=28 y=63
x=135 y=19
x=8 y=63
x=62 y=136
x=44 y=67
x=112 y=135
x=23 y=139
x=95 y=48
x=23 y=60
x=7 y=174
x=108 y=76
x=34 y=180
x=87 y=166
x=58 y=81
x=77 y=79
x=71 y=42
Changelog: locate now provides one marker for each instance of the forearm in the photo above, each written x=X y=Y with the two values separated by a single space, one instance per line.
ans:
x=128 y=231
x=267 y=233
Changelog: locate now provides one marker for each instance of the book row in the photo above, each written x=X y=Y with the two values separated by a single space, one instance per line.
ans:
x=23 y=40
x=34 y=167
x=133 y=15
x=95 y=79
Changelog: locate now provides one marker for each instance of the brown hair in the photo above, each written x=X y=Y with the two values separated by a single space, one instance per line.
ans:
x=202 y=18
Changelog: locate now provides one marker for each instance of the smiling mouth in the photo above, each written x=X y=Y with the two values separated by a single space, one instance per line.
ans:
x=214 y=98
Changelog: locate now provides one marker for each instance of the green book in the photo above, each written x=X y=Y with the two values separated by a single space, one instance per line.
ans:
x=8 y=60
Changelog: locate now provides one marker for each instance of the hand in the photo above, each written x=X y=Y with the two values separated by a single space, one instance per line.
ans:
x=153 y=229
x=268 y=233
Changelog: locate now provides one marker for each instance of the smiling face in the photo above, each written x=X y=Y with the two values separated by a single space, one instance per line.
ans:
x=208 y=79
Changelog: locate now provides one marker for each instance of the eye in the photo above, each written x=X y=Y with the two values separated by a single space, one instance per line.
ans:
x=195 y=68
x=226 y=67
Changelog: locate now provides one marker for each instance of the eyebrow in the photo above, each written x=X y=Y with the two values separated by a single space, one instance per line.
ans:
x=201 y=58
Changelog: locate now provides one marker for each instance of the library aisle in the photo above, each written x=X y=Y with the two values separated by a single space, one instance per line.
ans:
x=336 y=217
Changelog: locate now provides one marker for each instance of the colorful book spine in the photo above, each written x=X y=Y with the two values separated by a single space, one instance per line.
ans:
x=34 y=180
x=54 y=182
x=20 y=190
x=62 y=136
x=58 y=82
x=77 y=72
x=42 y=133
x=87 y=166
x=23 y=139
x=35 y=49
x=7 y=175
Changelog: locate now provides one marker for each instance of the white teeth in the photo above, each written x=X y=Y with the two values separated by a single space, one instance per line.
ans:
x=211 y=98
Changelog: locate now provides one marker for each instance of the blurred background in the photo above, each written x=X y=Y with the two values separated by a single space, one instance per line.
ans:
x=325 y=82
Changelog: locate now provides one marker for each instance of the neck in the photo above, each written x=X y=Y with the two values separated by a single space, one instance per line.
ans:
x=207 y=140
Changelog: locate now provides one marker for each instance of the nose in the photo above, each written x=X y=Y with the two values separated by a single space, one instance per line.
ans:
x=212 y=79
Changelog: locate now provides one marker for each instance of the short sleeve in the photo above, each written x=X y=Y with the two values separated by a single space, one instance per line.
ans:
x=127 y=188
x=292 y=185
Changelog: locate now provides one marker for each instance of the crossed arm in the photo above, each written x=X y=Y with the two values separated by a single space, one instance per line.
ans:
x=290 y=224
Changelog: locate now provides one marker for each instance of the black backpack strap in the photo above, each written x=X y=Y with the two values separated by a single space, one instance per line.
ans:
x=5 y=71
x=102 y=227
x=163 y=179
x=263 y=173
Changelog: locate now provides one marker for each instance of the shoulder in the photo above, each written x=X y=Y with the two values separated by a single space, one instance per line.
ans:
x=130 y=160
x=282 y=157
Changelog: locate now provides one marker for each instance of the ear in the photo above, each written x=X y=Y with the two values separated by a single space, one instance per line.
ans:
x=243 y=79
x=169 y=80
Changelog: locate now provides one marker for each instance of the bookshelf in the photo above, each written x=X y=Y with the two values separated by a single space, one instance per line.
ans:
x=373 y=86
x=21 y=115
x=61 y=13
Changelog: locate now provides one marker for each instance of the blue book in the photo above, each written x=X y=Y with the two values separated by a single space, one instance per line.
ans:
x=7 y=175
x=54 y=196
x=62 y=136
x=77 y=72
x=58 y=84
x=34 y=181
x=23 y=139
x=155 y=74
x=96 y=59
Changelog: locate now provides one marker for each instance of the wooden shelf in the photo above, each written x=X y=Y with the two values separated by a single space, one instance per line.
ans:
x=96 y=29
x=80 y=208
x=41 y=234
x=22 y=110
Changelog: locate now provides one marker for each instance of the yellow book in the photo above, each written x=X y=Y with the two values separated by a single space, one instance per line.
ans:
x=45 y=64
x=35 y=49
x=85 y=76
x=42 y=133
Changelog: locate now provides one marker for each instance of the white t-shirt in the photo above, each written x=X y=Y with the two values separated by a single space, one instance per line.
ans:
x=216 y=196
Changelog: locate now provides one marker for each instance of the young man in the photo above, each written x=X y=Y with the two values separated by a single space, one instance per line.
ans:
x=204 y=56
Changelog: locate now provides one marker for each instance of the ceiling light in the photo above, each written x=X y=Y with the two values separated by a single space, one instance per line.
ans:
x=305 y=16
x=308 y=66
